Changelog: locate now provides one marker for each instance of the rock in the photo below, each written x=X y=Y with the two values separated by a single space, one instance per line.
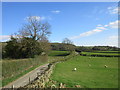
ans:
x=77 y=86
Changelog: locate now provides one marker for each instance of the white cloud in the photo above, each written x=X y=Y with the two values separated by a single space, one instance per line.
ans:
x=99 y=28
x=105 y=25
x=86 y=33
x=112 y=40
x=114 y=24
x=38 y=18
x=34 y=17
x=113 y=37
x=114 y=10
x=56 y=11
x=94 y=31
x=4 y=37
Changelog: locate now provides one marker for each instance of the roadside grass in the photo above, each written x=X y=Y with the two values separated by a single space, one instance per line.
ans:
x=13 y=69
x=90 y=72
x=8 y=80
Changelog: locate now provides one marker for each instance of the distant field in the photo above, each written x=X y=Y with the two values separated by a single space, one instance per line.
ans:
x=103 y=53
x=108 y=51
x=90 y=73
x=59 y=53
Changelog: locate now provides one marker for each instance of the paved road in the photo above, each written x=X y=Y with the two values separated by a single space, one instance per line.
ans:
x=22 y=81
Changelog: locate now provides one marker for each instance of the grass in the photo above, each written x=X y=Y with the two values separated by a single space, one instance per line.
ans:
x=13 y=69
x=94 y=76
x=59 y=53
x=108 y=51
x=103 y=53
x=8 y=80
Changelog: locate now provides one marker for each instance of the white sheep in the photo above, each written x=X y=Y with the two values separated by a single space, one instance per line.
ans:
x=75 y=69
x=105 y=66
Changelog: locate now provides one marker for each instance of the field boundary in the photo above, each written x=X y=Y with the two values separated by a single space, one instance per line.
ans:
x=97 y=55
x=44 y=77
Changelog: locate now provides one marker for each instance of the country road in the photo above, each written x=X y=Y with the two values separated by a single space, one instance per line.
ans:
x=24 y=80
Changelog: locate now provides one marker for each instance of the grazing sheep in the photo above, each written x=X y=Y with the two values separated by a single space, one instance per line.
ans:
x=105 y=66
x=75 y=69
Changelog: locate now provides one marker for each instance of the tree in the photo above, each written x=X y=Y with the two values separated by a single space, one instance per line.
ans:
x=67 y=41
x=68 y=44
x=31 y=40
x=35 y=29
x=12 y=48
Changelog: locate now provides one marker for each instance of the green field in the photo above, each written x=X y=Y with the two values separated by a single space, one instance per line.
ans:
x=59 y=53
x=90 y=72
x=103 y=53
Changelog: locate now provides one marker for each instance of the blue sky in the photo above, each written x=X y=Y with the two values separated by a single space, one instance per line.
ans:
x=85 y=23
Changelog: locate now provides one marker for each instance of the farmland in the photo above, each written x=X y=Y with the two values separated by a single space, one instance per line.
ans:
x=90 y=72
x=102 y=53
x=59 y=53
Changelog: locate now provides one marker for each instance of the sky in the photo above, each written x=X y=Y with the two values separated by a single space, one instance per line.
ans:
x=84 y=23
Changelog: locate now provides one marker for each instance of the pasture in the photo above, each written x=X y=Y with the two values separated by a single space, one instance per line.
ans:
x=59 y=53
x=90 y=73
x=102 y=53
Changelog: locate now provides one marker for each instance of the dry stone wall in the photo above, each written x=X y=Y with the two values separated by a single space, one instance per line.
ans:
x=42 y=78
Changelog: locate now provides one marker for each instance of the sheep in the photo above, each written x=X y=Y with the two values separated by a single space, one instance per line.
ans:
x=105 y=66
x=75 y=69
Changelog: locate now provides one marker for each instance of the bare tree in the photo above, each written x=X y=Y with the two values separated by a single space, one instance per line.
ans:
x=35 y=29
x=67 y=41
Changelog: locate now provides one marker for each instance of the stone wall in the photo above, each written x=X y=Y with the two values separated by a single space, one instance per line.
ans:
x=42 y=78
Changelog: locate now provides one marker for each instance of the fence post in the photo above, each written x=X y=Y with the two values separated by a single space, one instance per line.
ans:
x=29 y=80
